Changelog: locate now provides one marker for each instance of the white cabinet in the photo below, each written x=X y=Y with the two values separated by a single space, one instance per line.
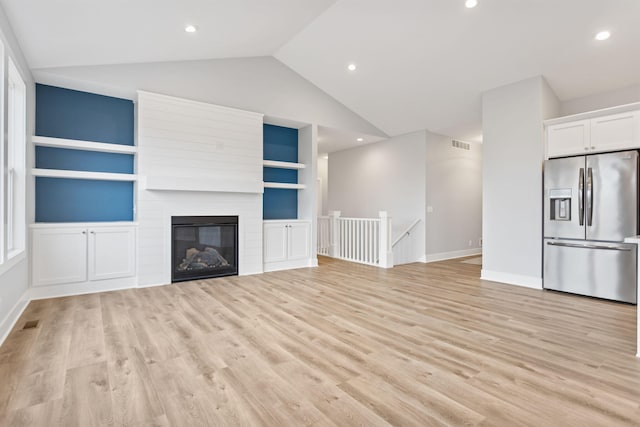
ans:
x=287 y=244
x=77 y=254
x=611 y=132
x=615 y=132
x=59 y=256
x=566 y=139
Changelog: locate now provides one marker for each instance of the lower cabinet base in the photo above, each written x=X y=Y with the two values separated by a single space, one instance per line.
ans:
x=54 y=291
x=290 y=264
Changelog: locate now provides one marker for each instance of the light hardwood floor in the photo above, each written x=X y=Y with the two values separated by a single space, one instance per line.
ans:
x=343 y=344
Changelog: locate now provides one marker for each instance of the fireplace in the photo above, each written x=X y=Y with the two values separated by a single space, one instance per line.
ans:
x=203 y=247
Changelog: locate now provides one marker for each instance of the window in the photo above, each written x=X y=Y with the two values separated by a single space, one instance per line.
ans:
x=16 y=162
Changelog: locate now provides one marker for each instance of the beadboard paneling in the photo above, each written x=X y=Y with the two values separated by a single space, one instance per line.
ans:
x=181 y=138
x=184 y=144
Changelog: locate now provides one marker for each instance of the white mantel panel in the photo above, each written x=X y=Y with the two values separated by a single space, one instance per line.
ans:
x=179 y=138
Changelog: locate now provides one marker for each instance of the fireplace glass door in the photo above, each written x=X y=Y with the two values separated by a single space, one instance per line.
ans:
x=204 y=247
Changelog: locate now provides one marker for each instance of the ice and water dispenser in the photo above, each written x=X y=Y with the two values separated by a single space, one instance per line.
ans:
x=560 y=204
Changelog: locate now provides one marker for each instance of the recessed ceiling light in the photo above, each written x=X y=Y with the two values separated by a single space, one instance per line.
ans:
x=351 y=67
x=360 y=139
x=190 y=28
x=471 y=3
x=603 y=35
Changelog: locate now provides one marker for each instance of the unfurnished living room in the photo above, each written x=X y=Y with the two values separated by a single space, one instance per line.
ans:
x=319 y=213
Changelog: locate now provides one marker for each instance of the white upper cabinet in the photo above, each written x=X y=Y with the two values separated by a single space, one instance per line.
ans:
x=566 y=139
x=615 y=132
x=612 y=132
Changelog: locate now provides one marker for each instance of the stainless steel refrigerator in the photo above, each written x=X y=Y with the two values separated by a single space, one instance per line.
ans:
x=590 y=206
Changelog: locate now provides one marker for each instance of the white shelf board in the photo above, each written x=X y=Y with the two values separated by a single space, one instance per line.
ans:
x=45 y=141
x=172 y=183
x=102 y=176
x=83 y=224
x=282 y=165
x=285 y=186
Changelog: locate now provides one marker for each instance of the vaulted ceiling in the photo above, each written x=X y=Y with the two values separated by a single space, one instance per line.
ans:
x=421 y=64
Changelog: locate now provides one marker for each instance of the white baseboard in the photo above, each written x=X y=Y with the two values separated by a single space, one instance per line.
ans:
x=442 y=256
x=12 y=317
x=512 y=279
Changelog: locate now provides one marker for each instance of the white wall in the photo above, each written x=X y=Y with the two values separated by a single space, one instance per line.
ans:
x=261 y=84
x=513 y=152
x=454 y=192
x=625 y=95
x=385 y=176
x=323 y=191
x=14 y=276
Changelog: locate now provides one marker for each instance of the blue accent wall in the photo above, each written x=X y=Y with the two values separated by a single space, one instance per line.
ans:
x=280 y=203
x=71 y=114
x=79 y=160
x=280 y=144
x=82 y=200
x=287 y=176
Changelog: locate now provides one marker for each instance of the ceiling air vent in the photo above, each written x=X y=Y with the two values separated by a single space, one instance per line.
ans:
x=460 y=144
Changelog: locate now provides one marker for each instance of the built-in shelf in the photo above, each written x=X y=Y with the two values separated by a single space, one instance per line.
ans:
x=101 y=176
x=282 y=165
x=45 y=141
x=284 y=186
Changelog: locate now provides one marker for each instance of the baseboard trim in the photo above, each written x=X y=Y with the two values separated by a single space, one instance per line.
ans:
x=12 y=317
x=512 y=279
x=443 y=256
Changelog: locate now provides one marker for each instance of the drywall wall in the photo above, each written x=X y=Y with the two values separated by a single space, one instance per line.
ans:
x=262 y=84
x=385 y=176
x=625 y=95
x=323 y=183
x=453 y=198
x=513 y=151
x=14 y=275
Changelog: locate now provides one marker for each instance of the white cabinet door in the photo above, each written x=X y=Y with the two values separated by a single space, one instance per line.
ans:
x=298 y=240
x=615 y=132
x=275 y=242
x=566 y=139
x=112 y=252
x=59 y=255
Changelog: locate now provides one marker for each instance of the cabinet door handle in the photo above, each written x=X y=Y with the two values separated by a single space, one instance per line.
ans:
x=92 y=232
x=84 y=232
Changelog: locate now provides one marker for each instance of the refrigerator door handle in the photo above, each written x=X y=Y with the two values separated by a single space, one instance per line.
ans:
x=589 y=197
x=581 y=196
x=588 y=246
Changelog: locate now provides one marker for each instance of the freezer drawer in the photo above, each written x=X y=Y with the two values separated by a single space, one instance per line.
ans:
x=603 y=270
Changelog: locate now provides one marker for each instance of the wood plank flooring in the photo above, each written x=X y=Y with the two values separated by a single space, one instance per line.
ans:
x=340 y=345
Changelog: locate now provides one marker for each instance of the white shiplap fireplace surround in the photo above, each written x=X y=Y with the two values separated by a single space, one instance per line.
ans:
x=196 y=159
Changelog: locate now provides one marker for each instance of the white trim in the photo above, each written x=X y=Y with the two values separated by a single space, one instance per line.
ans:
x=442 y=256
x=282 y=165
x=102 y=176
x=512 y=279
x=73 y=144
x=10 y=320
x=283 y=185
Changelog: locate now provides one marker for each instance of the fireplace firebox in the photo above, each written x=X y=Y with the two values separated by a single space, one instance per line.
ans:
x=203 y=247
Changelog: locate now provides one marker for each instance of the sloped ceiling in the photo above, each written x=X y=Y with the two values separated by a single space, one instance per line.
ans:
x=421 y=64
